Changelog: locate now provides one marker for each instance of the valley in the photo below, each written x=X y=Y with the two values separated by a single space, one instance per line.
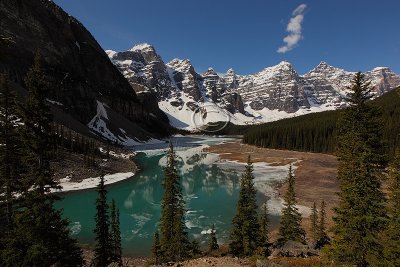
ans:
x=147 y=156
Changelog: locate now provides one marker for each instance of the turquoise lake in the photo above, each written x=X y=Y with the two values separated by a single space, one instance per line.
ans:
x=210 y=188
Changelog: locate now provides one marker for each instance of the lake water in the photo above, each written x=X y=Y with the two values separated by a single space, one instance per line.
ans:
x=210 y=188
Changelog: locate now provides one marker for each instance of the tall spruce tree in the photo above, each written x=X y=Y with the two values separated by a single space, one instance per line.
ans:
x=245 y=235
x=264 y=223
x=174 y=240
x=212 y=243
x=10 y=162
x=195 y=248
x=390 y=238
x=115 y=235
x=156 y=248
x=314 y=223
x=361 y=214
x=290 y=224
x=40 y=236
x=102 y=251
x=322 y=222
x=10 y=155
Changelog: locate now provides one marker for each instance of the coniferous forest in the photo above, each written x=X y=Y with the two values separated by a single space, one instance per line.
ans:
x=317 y=132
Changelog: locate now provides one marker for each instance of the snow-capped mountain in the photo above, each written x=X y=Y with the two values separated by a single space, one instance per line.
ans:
x=274 y=93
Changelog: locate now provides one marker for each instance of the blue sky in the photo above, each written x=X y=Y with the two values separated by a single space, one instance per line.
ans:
x=356 y=35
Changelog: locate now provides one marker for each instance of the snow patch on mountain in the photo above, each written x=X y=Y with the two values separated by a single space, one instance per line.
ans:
x=142 y=46
x=100 y=126
x=274 y=93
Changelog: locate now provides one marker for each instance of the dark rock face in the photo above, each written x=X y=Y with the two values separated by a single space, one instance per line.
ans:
x=78 y=68
x=329 y=84
x=214 y=85
x=234 y=103
x=176 y=80
x=145 y=67
x=186 y=79
x=276 y=88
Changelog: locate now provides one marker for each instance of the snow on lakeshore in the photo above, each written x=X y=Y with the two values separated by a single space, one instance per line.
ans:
x=120 y=155
x=89 y=183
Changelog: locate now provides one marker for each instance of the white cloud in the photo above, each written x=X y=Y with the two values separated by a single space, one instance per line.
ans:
x=294 y=29
x=299 y=10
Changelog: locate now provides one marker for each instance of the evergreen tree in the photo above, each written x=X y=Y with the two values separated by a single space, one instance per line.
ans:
x=264 y=240
x=391 y=236
x=290 y=225
x=360 y=215
x=322 y=224
x=212 y=243
x=156 y=248
x=115 y=235
x=40 y=236
x=37 y=132
x=10 y=155
x=195 y=248
x=314 y=223
x=102 y=251
x=175 y=244
x=245 y=235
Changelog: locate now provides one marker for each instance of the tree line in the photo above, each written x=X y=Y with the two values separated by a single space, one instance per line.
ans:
x=317 y=132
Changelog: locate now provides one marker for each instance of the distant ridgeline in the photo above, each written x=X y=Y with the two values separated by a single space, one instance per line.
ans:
x=316 y=132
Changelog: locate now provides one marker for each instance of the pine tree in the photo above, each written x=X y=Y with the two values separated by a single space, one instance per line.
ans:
x=390 y=239
x=102 y=251
x=40 y=236
x=290 y=225
x=360 y=215
x=116 y=251
x=195 y=248
x=175 y=244
x=10 y=161
x=10 y=155
x=156 y=248
x=37 y=131
x=212 y=243
x=314 y=223
x=245 y=236
x=264 y=222
x=321 y=231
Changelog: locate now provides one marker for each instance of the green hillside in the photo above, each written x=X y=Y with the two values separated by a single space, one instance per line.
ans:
x=317 y=132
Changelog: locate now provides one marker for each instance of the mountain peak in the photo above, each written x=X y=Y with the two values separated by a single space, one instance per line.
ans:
x=381 y=69
x=231 y=72
x=324 y=67
x=210 y=72
x=323 y=64
x=285 y=63
x=178 y=61
x=141 y=47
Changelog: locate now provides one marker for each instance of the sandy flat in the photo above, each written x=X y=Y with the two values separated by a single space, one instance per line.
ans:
x=316 y=174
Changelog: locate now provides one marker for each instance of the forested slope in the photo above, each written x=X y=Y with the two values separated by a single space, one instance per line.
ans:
x=317 y=132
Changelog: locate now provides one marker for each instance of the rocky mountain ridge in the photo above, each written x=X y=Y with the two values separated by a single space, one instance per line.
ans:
x=275 y=92
x=90 y=95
